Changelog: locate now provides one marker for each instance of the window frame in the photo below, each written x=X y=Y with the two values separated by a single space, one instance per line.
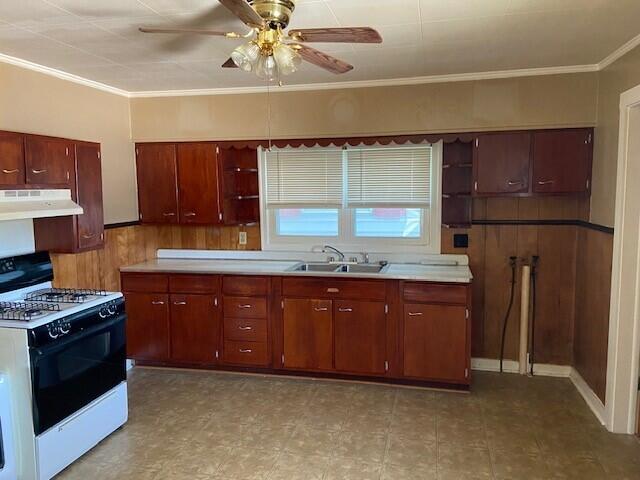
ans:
x=428 y=243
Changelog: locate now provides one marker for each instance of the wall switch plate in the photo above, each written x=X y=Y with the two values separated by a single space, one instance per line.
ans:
x=242 y=238
x=460 y=240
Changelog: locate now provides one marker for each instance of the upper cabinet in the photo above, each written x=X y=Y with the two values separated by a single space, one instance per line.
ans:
x=562 y=161
x=49 y=161
x=157 y=183
x=11 y=159
x=501 y=163
x=197 y=183
x=540 y=162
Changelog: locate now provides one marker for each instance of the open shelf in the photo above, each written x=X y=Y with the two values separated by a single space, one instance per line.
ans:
x=457 y=179
x=240 y=189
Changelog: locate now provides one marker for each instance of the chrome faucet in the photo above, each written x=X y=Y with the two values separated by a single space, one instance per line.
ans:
x=333 y=249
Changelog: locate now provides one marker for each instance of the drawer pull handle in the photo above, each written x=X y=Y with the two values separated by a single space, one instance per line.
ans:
x=321 y=309
x=38 y=172
x=245 y=328
x=9 y=172
x=157 y=303
x=246 y=305
x=345 y=309
x=415 y=314
x=545 y=182
x=513 y=183
x=190 y=214
x=168 y=214
x=88 y=235
x=179 y=303
x=333 y=290
x=245 y=350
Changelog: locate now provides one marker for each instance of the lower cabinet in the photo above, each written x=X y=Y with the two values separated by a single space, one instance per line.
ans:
x=435 y=342
x=147 y=326
x=195 y=328
x=360 y=337
x=308 y=334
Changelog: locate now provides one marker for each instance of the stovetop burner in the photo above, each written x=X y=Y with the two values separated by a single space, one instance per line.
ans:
x=26 y=310
x=64 y=295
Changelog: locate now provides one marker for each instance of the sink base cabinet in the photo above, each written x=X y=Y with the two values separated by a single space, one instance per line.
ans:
x=377 y=330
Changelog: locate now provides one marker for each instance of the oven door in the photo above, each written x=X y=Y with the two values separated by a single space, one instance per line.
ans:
x=74 y=371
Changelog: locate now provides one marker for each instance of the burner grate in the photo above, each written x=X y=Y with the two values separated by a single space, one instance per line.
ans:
x=25 y=310
x=64 y=295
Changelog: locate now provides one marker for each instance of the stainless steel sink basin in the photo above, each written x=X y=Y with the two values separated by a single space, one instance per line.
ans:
x=316 y=267
x=360 y=268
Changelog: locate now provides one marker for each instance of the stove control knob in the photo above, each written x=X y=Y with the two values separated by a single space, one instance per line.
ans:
x=103 y=313
x=65 y=328
x=53 y=331
x=112 y=309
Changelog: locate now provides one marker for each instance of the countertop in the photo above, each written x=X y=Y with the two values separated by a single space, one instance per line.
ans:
x=396 y=271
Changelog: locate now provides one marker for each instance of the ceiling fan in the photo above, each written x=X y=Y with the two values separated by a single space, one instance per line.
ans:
x=269 y=51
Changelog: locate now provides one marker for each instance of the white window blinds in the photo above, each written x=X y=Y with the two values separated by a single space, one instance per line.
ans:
x=304 y=177
x=389 y=177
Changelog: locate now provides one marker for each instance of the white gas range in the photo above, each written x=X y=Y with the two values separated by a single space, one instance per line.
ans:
x=63 y=353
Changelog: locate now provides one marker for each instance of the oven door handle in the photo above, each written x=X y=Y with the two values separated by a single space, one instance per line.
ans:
x=61 y=344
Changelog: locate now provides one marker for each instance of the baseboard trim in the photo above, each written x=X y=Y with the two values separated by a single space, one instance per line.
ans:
x=512 y=366
x=592 y=400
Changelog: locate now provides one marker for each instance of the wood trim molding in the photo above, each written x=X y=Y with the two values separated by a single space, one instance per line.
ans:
x=591 y=399
x=570 y=222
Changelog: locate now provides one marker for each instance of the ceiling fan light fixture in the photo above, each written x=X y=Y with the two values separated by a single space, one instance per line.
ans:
x=287 y=58
x=246 y=56
x=267 y=68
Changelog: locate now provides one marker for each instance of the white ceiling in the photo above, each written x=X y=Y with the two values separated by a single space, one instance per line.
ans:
x=98 y=39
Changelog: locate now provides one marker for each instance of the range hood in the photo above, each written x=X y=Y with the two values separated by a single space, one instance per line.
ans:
x=25 y=204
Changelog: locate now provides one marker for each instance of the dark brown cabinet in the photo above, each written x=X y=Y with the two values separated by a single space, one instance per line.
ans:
x=198 y=183
x=501 y=163
x=49 y=161
x=360 y=337
x=194 y=328
x=562 y=161
x=435 y=342
x=12 y=167
x=157 y=183
x=308 y=334
x=147 y=326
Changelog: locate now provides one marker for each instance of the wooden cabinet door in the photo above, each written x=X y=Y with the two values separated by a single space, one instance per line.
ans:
x=195 y=328
x=50 y=161
x=12 y=166
x=89 y=196
x=198 y=183
x=435 y=342
x=562 y=161
x=501 y=163
x=308 y=334
x=360 y=337
x=157 y=183
x=147 y=326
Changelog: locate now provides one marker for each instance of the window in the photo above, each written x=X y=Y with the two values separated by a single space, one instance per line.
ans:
x=375 y=199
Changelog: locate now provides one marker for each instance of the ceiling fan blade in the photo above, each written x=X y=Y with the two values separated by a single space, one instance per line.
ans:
x=322 y=59
x=336 y=35
x=244 y=11
x=229 y=64
x=195 y=31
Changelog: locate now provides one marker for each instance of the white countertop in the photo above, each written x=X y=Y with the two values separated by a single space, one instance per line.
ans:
x=400 y=271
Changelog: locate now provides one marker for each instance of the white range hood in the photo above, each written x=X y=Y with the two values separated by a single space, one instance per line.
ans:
x=25 y=204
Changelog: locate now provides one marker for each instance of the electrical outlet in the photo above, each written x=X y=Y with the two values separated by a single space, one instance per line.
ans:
x=242 y=238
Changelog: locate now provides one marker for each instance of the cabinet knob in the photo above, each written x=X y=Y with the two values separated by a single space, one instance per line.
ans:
x=9 y=172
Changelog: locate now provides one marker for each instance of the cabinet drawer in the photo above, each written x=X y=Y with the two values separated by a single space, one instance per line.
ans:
x=246 y=353
x=245 y=329
x=245 y=307
x=330 y=288
x=193 y=283
x=435 y=293
x=245 y=286
x=144 y=282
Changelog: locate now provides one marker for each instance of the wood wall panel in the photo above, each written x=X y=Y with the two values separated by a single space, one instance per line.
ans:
x=593 y=291
x=135 y=244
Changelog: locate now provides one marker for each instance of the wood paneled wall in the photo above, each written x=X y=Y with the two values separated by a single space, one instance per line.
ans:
x=593 y=292
x=134 y=244
x=490 y=247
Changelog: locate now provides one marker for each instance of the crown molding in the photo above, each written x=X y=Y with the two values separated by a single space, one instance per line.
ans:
x=624 y=49
x=392 y=82
x=52 y=72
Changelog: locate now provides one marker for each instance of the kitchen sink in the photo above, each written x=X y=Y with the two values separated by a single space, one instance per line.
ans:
x=338 y=268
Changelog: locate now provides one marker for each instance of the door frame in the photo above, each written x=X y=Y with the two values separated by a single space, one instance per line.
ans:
x=623 y=360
